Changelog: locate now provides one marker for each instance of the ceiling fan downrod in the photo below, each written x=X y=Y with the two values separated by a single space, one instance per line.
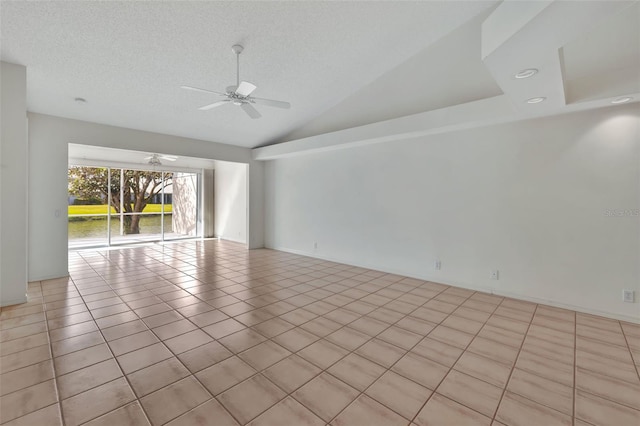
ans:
x=237 y=49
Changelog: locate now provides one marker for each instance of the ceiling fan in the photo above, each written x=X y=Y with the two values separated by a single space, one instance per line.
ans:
x=240 y=94
x=154 y=159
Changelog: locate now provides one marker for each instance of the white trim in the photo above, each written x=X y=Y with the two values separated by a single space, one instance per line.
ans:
x=13 y=302
x=468 y=286
x=130 y=166
x=49 y=277
x=235 y=240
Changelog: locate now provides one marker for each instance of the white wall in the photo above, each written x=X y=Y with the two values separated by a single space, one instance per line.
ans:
x=256 y=204
x=13 y=184
x=528 y=198
x=208 y=203
x=49 y=138
x=230 y=183
x=47 y=203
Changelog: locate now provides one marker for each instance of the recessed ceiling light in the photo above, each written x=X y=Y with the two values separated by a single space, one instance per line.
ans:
x=536 y=100
x=529 y=72
x=81 y=100
x=622 y=100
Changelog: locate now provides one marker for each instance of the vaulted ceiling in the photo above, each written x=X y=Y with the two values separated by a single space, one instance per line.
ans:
x=340 y=64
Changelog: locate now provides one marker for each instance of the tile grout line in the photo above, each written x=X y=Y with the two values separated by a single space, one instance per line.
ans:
x=53 y=364
x=633 y=360
x=233 y=354
x=50 y=359
x=174 y=355
x=405 y=315
x=191 y=374
x=506 y=385
x=387 y=369
x=115 y=359
x=305 y=271
x=325 y=370
x=398 y=296
x=457 y=359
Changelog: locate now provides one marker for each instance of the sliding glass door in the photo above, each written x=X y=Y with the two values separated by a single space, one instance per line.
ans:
x=111 y=206
x=88 y=212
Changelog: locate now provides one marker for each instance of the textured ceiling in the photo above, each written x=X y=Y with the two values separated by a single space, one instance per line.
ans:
x=128 y=59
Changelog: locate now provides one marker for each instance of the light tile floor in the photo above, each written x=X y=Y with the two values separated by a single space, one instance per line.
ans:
x=197 y=333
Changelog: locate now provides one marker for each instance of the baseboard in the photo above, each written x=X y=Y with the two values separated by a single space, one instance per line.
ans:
x=235 y=240
x=5 y=303
x=577 y=308
x=581 y=309
x=50 y=277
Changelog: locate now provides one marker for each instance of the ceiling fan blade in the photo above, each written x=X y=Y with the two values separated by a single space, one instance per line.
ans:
x=250 y=110
x=213 y=105
x=245 y=88
x=195 y=89
x=168 y=157
x=271 y=102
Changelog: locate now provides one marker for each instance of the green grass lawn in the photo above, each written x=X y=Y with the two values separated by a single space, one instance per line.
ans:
x=102 y=209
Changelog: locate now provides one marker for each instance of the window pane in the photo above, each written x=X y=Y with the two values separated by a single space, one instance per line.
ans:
x=87 y=211
x=135 y=228
x=138 y=217
x=87 y=231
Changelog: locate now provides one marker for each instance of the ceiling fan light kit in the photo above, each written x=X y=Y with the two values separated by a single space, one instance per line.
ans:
x=240 y=94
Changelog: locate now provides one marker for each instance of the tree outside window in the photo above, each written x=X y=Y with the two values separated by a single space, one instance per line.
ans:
x=139 y=187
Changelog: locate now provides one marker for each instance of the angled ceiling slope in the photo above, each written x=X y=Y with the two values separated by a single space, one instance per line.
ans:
x=553 y=37
x=446 y=73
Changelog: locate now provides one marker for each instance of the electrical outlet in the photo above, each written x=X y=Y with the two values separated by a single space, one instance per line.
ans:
x=437 y=265
x=495 y=274
x=628 y=296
